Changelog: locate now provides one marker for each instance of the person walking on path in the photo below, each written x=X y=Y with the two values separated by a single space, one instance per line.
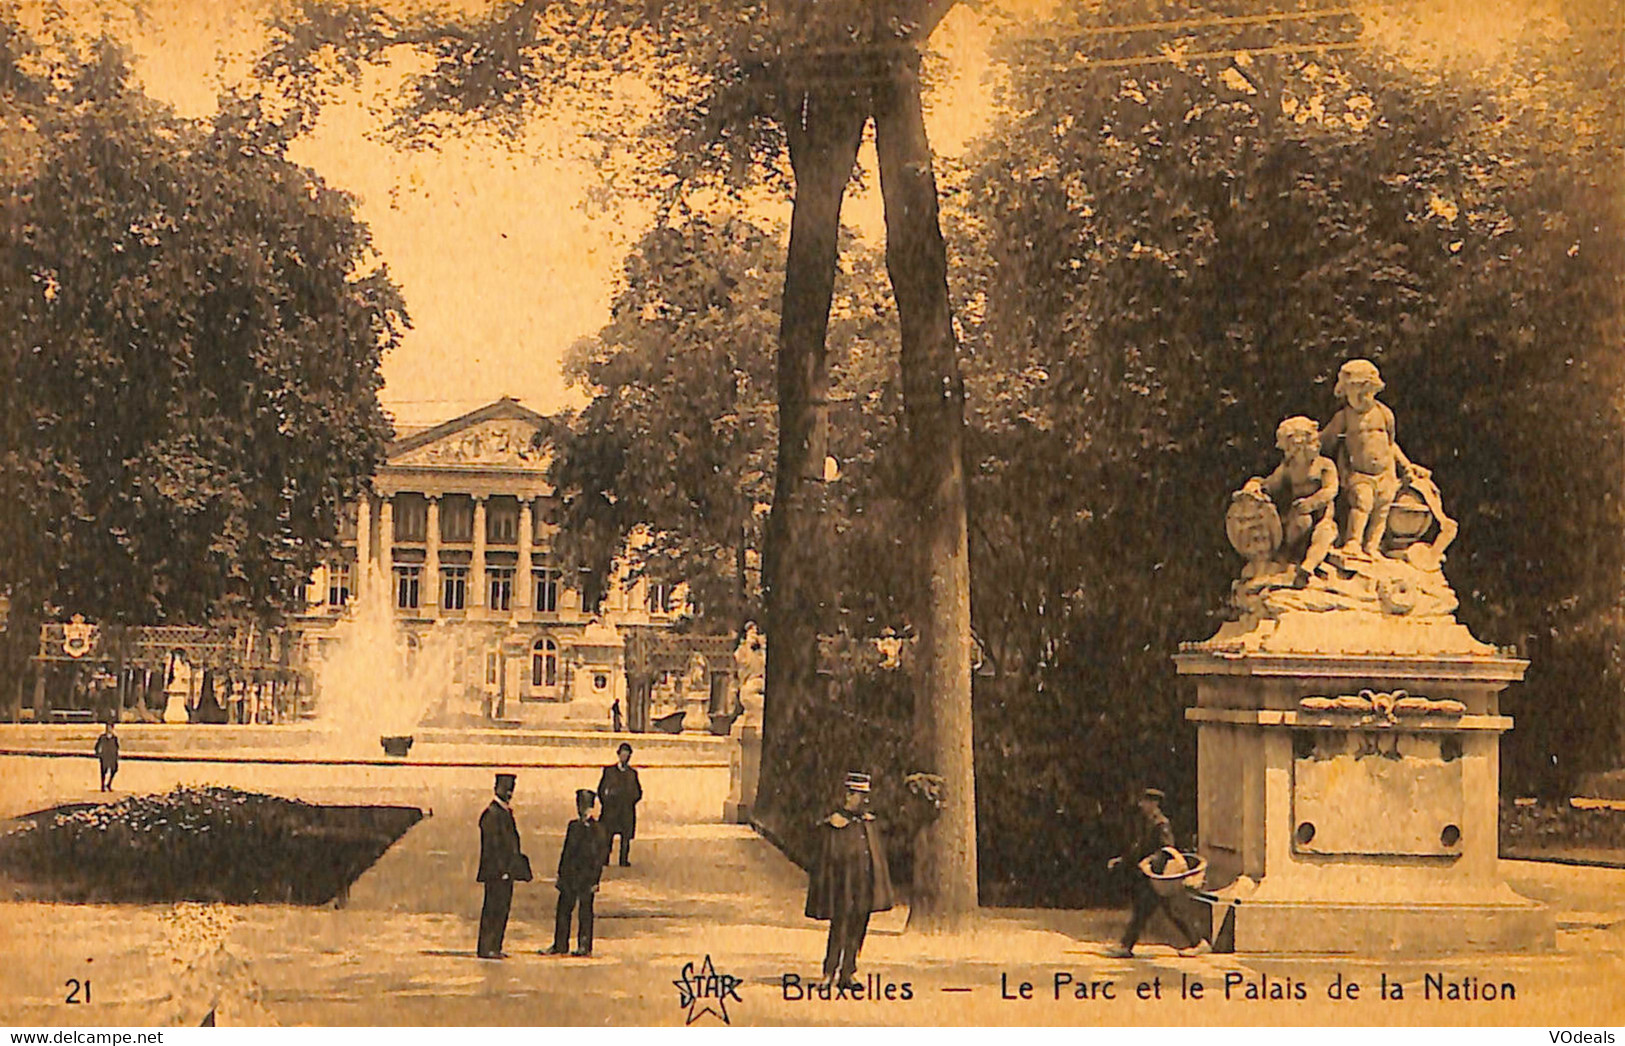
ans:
x=502 y=863
x=581 y=865
x=107 y=755
x=620 y=792
x=849 y=881
x=1150 y=834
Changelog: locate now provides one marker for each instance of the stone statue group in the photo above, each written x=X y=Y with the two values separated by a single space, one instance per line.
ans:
x=1339 y=524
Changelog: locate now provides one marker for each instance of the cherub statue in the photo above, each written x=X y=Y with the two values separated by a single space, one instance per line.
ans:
x=1369 y=460
x=1310 y=479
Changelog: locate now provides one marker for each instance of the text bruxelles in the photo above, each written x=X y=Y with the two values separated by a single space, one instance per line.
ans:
x=874 y=988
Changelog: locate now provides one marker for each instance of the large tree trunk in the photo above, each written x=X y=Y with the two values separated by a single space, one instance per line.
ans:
x=934 y=406
x=823 y=133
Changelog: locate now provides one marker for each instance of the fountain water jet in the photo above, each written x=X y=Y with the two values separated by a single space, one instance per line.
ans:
x=372 y=682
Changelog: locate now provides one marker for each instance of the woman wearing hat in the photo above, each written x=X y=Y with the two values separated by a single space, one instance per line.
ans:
x=850 y=879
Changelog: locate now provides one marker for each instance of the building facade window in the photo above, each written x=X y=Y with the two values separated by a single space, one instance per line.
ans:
x=501 y=587
x=338 y=582
x=546 y=580
x=502 y=521
x=457 y=519
x=411 y=517
x=658 y=597
x=454 y=588
x=407 y=581
x=544 y=664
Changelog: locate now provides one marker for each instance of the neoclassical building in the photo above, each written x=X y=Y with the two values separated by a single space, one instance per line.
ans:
x=455 y=535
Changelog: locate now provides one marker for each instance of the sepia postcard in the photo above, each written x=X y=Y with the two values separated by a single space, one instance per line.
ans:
x=858 y=513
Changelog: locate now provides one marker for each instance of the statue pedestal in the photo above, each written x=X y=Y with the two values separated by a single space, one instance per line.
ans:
x=1332 y=830
x=744 y=772
x=175 y=708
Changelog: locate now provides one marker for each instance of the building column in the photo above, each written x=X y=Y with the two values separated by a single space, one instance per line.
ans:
x=363 y=543
x=386 y=545
x=431 y=572
x=522 y=599
x=476 y=574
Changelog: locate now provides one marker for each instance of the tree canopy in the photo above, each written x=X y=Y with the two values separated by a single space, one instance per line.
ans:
x=671 y=463
x=195 y=325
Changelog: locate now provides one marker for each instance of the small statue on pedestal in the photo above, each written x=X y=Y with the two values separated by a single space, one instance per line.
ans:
x=1369 y=460
x=1311 y=481
x=1285 y=525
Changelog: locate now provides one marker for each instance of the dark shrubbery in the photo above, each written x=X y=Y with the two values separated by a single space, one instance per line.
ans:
x=864 y=727
x=1555 y=827
x=199 y=844
x=1049 y=809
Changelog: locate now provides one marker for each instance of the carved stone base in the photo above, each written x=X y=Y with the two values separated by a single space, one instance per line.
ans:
x=1347 y=801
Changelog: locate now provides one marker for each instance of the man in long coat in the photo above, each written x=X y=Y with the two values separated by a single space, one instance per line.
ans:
x=502 y=863
x=619 y=793
x=581 y=865
x=850 y=879
x=1151 y=832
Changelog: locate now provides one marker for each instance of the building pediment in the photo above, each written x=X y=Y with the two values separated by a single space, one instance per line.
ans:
x=500 y=435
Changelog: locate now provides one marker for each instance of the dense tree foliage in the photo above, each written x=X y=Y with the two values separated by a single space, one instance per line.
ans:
x=1174 y=255
x=671 y=463
x=191 y=349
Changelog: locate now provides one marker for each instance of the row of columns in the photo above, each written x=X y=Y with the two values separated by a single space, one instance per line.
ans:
x=429 y=592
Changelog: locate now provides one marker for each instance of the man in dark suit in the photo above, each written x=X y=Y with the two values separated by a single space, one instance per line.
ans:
x=502 y=863
x=619 y=792
x=1150 y=833
x=581 y=864
x=107 y=755
x=850 y=881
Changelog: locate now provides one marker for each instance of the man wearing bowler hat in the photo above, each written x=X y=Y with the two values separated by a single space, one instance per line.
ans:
x=850 y=879
x=1151 y=833
x=502 y=863
x=619 y=793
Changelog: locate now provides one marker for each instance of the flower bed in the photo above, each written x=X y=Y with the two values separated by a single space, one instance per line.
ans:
x=198 y=844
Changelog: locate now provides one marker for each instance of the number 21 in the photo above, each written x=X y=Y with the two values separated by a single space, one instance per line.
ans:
x=75 y=986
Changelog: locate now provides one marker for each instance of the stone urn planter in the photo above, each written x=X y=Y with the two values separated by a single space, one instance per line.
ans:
x=396 y=746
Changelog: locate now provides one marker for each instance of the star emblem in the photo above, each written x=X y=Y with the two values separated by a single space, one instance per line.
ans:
x=703 y=990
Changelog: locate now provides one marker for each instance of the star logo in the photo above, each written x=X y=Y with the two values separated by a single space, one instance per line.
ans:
x=703 y=990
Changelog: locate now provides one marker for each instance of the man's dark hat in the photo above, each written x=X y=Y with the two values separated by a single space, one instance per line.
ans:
x=623 y=747
x=585 y=795
x=1155 y=795
x=506 y=779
